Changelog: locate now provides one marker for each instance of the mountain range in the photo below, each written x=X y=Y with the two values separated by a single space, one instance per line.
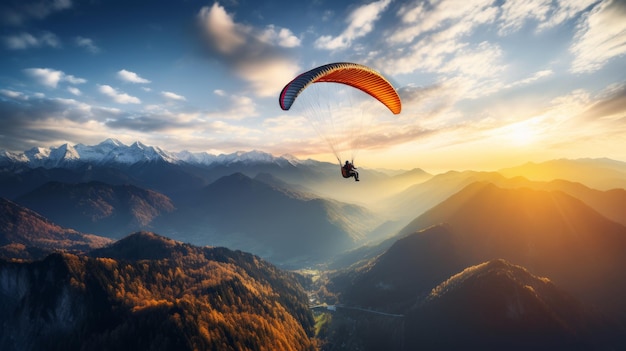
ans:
x=524 y=258
x=549 y=232
x=112 y=151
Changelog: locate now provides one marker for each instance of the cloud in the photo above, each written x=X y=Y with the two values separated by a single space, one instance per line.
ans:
x=29 y=120
x=88 y=44
x=74 y=91
x=452 y=17
x=256 y=55
x=233 y=106
x=25 y=41
x=172 y=96
x=144 y=122
x=516 y=12
x=51 y=78
x=120 y=98
x=609 y=107
x=429 y=36
x=546 y=13
x=601 y=36
x=16 y=12
x=483 y=60
x=536 y=76
x=131 y=77
x=360 y=23
x=45 y=76
x=12 y=94
x=281 y=37
x=564 y=10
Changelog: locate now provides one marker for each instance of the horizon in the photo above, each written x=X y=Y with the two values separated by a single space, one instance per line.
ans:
x=485 y=85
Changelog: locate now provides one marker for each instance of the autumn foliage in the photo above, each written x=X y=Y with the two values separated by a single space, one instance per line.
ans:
x=182 y=298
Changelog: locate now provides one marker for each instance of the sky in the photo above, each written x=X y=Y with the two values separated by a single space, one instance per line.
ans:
x=484 y=84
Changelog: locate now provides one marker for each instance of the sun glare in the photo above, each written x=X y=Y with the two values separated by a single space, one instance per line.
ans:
x=520 y=134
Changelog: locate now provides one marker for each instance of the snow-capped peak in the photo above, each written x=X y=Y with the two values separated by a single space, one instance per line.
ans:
x=115 y=152
x=64 y=153
x=37 y=153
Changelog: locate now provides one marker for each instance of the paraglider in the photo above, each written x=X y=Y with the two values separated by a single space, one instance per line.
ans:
x=348 y=170
x=338 y=110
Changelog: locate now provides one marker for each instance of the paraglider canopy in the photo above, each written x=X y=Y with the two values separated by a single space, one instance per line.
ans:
x=352 y=74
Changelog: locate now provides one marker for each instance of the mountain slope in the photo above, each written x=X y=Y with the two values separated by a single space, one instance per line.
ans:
x=420 y=197
x=197 y=298
x=609 y=203
x=550 y=233
x=497 y=305
x=96 y=207
x=279 y=223
x=26 y=234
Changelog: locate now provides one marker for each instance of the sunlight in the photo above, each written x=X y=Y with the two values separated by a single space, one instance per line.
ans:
x=520 y=134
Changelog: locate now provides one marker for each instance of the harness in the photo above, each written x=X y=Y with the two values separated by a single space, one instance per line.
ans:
x=344 y=172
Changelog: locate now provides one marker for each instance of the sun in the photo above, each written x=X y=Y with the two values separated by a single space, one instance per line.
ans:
x=522 y=135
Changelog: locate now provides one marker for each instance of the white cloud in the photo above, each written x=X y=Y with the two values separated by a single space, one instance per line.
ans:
x=51 y=78
x=256 y=55
x=516 y=12
x=281 y=37
x=88 y=44
x=172 y=96
x=536 y=76
x=483 y=60
x=564 y=10
x=120 y=98
x=131 y=77
x=547 y=13
x=360 y=23
x=601 y=36
x=74 y=80
x=25 y=40
x=17 y=95
x=74 y=91
x=458 y=17
x=226 y=36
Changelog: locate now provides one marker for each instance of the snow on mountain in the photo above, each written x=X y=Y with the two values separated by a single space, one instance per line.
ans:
x=246 y=157
x=37 y=154
x=196 y=157
x=294 y=161
x=114 y=151
x=102 y=151
x=62 y=154
x=11 y=157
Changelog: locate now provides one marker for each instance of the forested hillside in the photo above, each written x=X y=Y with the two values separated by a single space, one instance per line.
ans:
x=172 y=296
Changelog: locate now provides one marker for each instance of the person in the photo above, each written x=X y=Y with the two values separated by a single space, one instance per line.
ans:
x=348 y=170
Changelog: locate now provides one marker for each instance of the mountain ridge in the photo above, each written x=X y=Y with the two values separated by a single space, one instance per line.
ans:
x=498 y=305
x=26 y=234
x=96 y=207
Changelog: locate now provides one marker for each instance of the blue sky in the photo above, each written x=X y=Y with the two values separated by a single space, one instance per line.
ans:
x=484 y=84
